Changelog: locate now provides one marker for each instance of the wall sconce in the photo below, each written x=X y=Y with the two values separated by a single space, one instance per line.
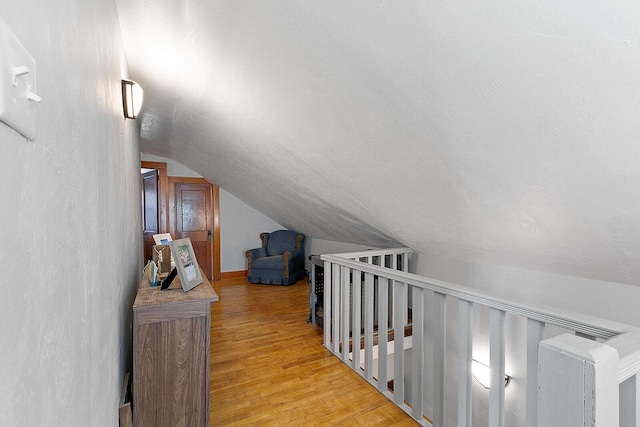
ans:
x=482 y=374
x=132 y=95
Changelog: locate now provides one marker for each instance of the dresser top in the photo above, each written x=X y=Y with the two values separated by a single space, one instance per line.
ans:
x=150 y=296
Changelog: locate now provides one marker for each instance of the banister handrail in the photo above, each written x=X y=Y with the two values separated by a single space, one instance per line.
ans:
x=583 y=324
x=628 y=347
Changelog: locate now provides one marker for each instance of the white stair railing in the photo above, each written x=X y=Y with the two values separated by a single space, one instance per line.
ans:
x=370 y=296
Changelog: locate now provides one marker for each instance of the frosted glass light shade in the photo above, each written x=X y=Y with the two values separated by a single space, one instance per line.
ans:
x=132 y=95
x=482 y=374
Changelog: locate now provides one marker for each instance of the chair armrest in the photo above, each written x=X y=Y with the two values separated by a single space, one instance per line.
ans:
x=295 y=253
x=254 y=254
x=293 y=260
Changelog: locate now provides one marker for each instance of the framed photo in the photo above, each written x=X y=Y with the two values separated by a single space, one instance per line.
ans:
x=162 y=239
x=186 y=263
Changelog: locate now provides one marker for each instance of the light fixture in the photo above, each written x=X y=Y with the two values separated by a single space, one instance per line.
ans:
x=482 y=374
x=132 y=95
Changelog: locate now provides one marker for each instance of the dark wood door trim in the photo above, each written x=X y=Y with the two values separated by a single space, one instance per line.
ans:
x=151 y=218
x=163 y=184
x=215 y=217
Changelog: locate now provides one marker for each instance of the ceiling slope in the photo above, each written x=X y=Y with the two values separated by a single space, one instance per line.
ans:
x=499 y=132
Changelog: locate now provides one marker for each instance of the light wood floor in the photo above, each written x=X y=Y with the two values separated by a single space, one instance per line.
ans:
x=269 y=368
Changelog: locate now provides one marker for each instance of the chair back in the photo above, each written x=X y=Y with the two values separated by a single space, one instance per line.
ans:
x=281 y=241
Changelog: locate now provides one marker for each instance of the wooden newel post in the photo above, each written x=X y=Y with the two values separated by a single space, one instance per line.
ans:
x=577 y=383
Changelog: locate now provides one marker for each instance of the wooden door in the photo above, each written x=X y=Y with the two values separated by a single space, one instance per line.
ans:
x=194 y=219
x=150 y=219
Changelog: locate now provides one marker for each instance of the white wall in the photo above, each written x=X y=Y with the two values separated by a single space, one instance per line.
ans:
x=240 y=228
x=240 y=224
x=613 y=301
x=315 y=246
x=69 y=223
x=173 y=168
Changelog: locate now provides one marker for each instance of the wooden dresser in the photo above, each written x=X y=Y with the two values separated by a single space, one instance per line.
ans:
x=171 y=338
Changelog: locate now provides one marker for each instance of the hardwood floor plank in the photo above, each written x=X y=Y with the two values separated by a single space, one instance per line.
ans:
x=269 y=368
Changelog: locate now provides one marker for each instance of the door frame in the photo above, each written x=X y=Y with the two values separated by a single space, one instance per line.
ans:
x=163 y=218
x=215 y=217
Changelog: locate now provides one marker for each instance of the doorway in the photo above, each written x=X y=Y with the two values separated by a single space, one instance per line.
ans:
x=150 y=218
x=186 y=207
x=195 y=210
x=154 y=203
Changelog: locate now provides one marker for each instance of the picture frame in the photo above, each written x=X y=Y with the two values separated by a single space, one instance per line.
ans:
x=186 y=263
x=162 y=239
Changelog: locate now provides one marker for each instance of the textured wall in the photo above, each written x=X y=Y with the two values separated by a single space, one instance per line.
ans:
x=173 y=168
x=240 y=228
x=69 y=223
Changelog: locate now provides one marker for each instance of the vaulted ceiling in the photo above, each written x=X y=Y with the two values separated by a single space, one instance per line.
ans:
x=500 y=132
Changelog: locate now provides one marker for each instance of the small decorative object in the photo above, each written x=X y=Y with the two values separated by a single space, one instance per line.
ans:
x=162 y=258
x=151 y=270
x=186 y=263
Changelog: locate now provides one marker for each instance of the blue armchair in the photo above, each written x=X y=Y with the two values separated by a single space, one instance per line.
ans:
x=280 y=260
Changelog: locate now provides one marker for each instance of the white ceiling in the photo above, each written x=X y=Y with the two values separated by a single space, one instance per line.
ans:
x=501 y=132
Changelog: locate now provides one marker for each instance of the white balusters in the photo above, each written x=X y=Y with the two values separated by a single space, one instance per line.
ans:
x=381 y=303
x=326 y=305
x=357 y=319
x=383 y=332
x=496 y=355
x=628 y=348
x=399 y=309
x=465 y=354
x=394 y=266
x=439 y=357
x=417 y=355
x=345 y=299
x=368 y=326
x=629 y=407
x=338 y=314
x=534 y=336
